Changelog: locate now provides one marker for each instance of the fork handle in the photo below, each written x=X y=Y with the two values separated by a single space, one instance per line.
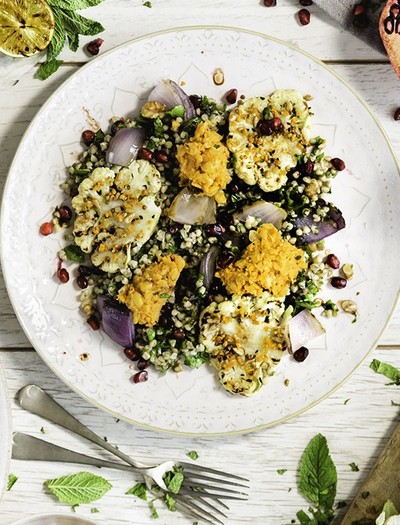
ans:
x=37 y=401
x=27 y=447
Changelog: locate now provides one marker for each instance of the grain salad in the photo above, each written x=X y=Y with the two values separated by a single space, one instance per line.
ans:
x=198 y=230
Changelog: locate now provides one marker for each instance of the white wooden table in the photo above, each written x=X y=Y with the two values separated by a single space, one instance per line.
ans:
x=357 y=419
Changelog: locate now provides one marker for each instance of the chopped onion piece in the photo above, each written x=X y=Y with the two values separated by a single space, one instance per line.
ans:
x=333 y=222
x=265 y=211
x=168 y=92
x=125 y=145
x=208 y=265
x=116 y=321
x=302 y=328
x=192 y=208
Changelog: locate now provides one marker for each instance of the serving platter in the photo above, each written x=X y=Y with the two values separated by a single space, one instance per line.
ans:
x=115 y=84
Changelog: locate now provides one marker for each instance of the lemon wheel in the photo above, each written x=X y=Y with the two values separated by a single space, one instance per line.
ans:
x=26 y=27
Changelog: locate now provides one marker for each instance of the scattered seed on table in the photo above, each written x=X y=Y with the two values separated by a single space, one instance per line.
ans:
x=304 y=16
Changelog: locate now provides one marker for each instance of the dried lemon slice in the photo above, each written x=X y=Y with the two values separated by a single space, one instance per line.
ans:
x=26 y=27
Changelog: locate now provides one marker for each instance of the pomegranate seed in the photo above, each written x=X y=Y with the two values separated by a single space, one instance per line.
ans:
x=93 y=322
x=277 y=124
x=88 y=137
x=358 y=9
x=338 y=282
x=264 y=127
x=98 y=42
x=46 y=228
x=115 y=126
x=84 y=270
x=140 y=377
x=180 y=335
x=332 y=261
x=93 y=47
x=145 y=154
x=63 y=275
x=304 y=16
x=301 y=354
x=269 y=3
x=195 y=100
x=213 y=230
x=231 y=96
x=308 y=167
x=132 y=354
x=225 y=259
x=143 y=363
x=338 y=164
x=396 y=115
x=161 y=156
x=82 y=282
x=65 y=214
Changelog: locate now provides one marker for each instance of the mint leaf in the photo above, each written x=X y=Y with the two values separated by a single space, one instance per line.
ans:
x=73 y=4
x=192 y=455
x=170 y=502
x=76 y=23
x=174 y=479
x=73 y=40
x=58 y=39
x=139 y=490
x=75 y=489
x=12 y=479
x=48 y=68
x=74 y=253
x=318 y=476
x=281 y=471
x=153 y=509
x=354 y=467
x=387 y=370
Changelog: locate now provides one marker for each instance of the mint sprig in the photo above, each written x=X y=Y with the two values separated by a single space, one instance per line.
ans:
x=76 y=489
x=387 y=370
x=68 y=26
x=317 y=483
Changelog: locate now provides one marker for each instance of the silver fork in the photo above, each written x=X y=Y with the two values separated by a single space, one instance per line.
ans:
x=200 y=483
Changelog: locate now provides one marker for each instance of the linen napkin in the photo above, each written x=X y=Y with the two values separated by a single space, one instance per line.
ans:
x=342 y=12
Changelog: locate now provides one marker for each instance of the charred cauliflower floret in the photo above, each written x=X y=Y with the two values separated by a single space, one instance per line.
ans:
x=266 y=136
x=116 y=213
x=148 y=292
x=244 y=339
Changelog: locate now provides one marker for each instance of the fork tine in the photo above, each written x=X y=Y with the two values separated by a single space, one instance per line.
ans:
x=197 y=511
x=199 y=499
x=200 y=468
x=222 y=492
x=191 y=476
x=192 y=491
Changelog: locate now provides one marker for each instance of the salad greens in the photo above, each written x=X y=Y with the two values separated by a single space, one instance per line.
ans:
x=12 y=479
x=387 y=370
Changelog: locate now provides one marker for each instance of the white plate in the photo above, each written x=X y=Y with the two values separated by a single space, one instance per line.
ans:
x=5 y=433
x=368 y=193
x=54 y=519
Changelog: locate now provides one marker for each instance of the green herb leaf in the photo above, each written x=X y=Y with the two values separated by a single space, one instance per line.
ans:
x=365 y=494
x=73 y=40
x=170 y=502
x=42 y=430
x=387 y=370
x=58 y=39
x=48 y=68
x=94 y=510
x=318 y=476
x=139 y=490
x=153 y=509
x=174 y=479
x=74 y=253
x=195 y=361
x=192 y=455
x=281 y=471
x=71 y=5
x=177 y=111
x=147 y=4
x=75 y=489
x=354 y=467
x=76 y=23
x=12 y=479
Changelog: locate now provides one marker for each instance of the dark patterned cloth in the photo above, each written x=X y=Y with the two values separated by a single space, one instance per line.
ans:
x=364 y=26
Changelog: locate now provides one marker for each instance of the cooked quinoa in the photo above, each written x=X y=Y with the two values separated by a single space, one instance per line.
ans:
x=169 y=331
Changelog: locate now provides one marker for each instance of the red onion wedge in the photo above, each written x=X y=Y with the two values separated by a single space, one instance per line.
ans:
x=189 y=207
x=116 y=321
x=168 y=92
x=265 y=211
x=125 y=145
x=208 y=265
x=302 y=328
x=333 y=222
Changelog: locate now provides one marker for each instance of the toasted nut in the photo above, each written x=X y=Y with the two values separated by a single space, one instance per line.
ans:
x=348 y=270
x=348 y=306
x=218 y=77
